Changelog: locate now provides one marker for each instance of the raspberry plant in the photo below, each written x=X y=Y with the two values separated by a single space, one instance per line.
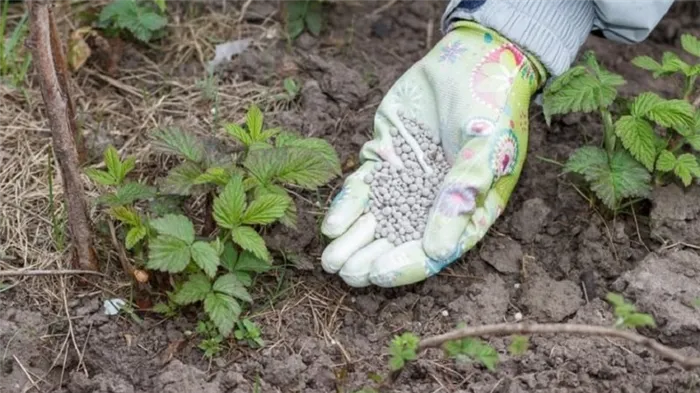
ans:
x=144 y=20
x=644 y=136
x=248 y=192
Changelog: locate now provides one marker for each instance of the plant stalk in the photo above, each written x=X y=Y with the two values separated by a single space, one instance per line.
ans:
x=608 y=132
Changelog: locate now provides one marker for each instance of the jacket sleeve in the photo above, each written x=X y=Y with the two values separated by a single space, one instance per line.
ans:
x=628 y=22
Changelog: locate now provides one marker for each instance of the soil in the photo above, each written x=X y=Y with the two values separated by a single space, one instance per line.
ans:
x=550 y=258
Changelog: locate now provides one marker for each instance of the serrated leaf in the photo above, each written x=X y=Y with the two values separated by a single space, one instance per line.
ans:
x=135 y=235
x=244 y=278
x=125 y=214
x=168 y=254
x=152 y=21
x=637 y=135
x=625 y=178
x=248 y=262
x=317 y=145
x=647 y=63
x=295 y=28
x=615 y=299
x=101 y=177
x=303 y=168
x=180 y=143
x=238 y=133
x=206 y=257
x=249 y=240
x=116 y=8
x=230 y=285
x=254 y=122
x=694 y=141
x=113 y=163
x=667 y=113
x=671 y=63
x=214 y=175
x=690 y=44
x=640 y=320
x=229 y=257
x=127 y=194
x=589 y=161
x=259 y=146
x=175 y=225
x=230 y=204
x=266 y=209
x=686 y=168
x=582 y=92
x=195 y=289
x=666 y=161
x=223 y=310
x=182 y=179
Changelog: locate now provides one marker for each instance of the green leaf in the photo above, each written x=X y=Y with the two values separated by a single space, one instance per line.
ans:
x=168 y=254
x=206 y=257
x=125 y=214
x=313 y=18
x=180 y=143
x=266 y=209
x=182 y=179
x=519 y=345
x=101 y=177
x=671 y=64
x=248 y=262
x=230 y=285
x=152 y=21
x=303 y=168
x=135 y=235
x=667 y=113
x=396 y=363
x=254 y=122
x=127 y=194
x=295 y=28
x=195 y=289
x=175 y=225
x=639 y=320
x=238 y=133
x=615 y=299
x=116 y=8
x=694 y=141
x=249 y=240
x=647 y=63
x=686 y=168
x=316 y=145
x=638 y=137
x=161 y=5
x=229 y=257
x=223 y=310
x=244 y=278
x=230 y=204
x=589 y=161
x=666 y=161
x=690 y=44
x=214 y=175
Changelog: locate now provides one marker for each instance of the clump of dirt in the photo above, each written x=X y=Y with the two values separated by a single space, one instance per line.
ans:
x=675 y=215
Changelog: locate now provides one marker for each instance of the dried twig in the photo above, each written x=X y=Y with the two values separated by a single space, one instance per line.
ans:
x=505 y=329
x=68 y=272
x=53 y=78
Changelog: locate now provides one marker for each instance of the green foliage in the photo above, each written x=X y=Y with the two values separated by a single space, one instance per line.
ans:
x=247 y=193
x=627 y=315
x=212 y=341
x=402 y=350
x=657 y=136
x=144 y=20
x=303 y=14
x=472 y=349
x=519 y=345
x=247 y=331
x=14 y=58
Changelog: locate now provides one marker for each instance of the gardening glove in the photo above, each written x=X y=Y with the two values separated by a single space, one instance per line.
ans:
x=471 y=92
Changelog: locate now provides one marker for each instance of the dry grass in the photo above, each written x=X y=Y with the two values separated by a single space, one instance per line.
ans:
x=155 y=87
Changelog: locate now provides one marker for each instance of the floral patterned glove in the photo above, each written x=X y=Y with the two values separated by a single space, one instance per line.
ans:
x=472 y=93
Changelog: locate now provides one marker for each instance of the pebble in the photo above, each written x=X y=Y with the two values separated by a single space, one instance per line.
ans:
x=401 y=198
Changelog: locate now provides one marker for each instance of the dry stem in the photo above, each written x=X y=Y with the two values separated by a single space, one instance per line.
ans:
x=555 y=328
x=51 y=69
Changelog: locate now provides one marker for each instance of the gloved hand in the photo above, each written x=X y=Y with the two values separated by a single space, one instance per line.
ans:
x=471 y=93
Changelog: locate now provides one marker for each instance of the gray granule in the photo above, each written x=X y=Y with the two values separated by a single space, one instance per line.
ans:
x=400 y=198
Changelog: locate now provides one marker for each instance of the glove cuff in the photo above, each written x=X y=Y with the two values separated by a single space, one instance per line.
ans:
x=552 y=30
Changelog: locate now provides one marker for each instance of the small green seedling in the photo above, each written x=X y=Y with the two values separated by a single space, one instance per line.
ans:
x=303 y=14
x=402 y=350
x=247 y=331
x=144 y=20
x=472 y=349
x=627 y=315
x=212 y=342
